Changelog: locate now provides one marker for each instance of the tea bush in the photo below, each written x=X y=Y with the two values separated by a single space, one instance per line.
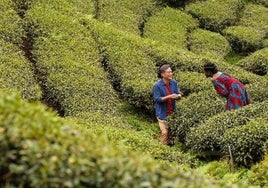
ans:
x=191 y=82
x=192 y=111
x=258 y=173
x=11 y=29
x=255 y=16
x=85 y=7
x=246 y=142
x=62 y=47
x=209 y=43
x=249 y=34
x=135 y=140
x=205 y=139
x=243 y=39
x=224 y=14
x=170 y=26
x=40 y=149
x=131 y=69
x=16 y=72
x=126 y=15
x=256 y=62
x=257 y=90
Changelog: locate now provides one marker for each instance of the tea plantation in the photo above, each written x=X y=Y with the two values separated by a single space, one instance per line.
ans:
x=76 y=107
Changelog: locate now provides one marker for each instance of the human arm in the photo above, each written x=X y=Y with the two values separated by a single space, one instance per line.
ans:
x=221 y=89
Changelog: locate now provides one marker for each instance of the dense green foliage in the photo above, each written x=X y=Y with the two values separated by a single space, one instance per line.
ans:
x=256 y=62
x=209 y=137
x=38 y=148
x=95 y=62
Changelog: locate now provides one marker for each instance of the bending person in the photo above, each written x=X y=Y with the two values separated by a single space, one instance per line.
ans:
x=228 y=87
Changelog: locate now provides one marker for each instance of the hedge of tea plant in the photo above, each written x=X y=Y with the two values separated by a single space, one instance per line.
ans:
x=258 y=173
x=40 y=149
x=184 y=60
x=85 y=7
x=258 y=90
x=251 y=30
x=192 y=111
x=170 y=26
x=246 y=142
x=141 y=142
x=208 y=43
x=131 y=69
x=126 y=15
x=206 y=139
x=68 y=63
x=256 y=62
x=11 y=29
x=244 y=39
x=255 y=16
x=215 y=15
x=16 y=72
x=192 y=82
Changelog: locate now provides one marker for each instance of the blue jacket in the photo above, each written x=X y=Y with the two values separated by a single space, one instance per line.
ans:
x=159 y=91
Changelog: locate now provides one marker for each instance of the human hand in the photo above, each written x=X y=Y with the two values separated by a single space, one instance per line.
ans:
x=175 y=96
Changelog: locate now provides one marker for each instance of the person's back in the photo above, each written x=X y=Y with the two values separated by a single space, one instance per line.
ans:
x=226 y=86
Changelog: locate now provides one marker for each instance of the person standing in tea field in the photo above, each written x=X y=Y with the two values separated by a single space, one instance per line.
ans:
x=228 y=87
x=165 y=93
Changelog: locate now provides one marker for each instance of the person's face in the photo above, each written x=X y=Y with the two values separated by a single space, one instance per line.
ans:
x=208 y=74
x=167 y=75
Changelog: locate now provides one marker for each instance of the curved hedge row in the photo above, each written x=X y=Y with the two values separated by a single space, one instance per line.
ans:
x=192 y=111
x=255 y=16
x=39 y=149
x=126 y=15
x=131 y=69
x=135 y=140
x=16 y=73
x=192 y=82
x=224 y=14
x=68 y=62
x=244 y=39
x=246 y=142
x=204 y=42
x=207 y=138
x=256 y=62
x=11 y=29
x=250 y=32
x=170 y=26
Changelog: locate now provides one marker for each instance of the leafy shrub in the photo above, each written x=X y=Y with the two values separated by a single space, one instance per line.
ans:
x=11 y=29
x=63 y=47
x=170 y=26
x=246 y=142
x=205 y=140
x=192 y=111
x=191 y=82
x=130 y=68
x=16 y=72
x=249 y=34
x=126 y=15
x=209 y=43
x=255 y=16
x=258 y=90
x=258 y=173
x=135 y=140
x=40 y=149
x=224 y=14
x=243 y=39
x=257 y=62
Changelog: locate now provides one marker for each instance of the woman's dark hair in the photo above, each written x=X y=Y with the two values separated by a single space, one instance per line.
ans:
x=162 y=69
x=211 y=67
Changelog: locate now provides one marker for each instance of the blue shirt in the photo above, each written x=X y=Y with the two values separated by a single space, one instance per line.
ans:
x=159 y=91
